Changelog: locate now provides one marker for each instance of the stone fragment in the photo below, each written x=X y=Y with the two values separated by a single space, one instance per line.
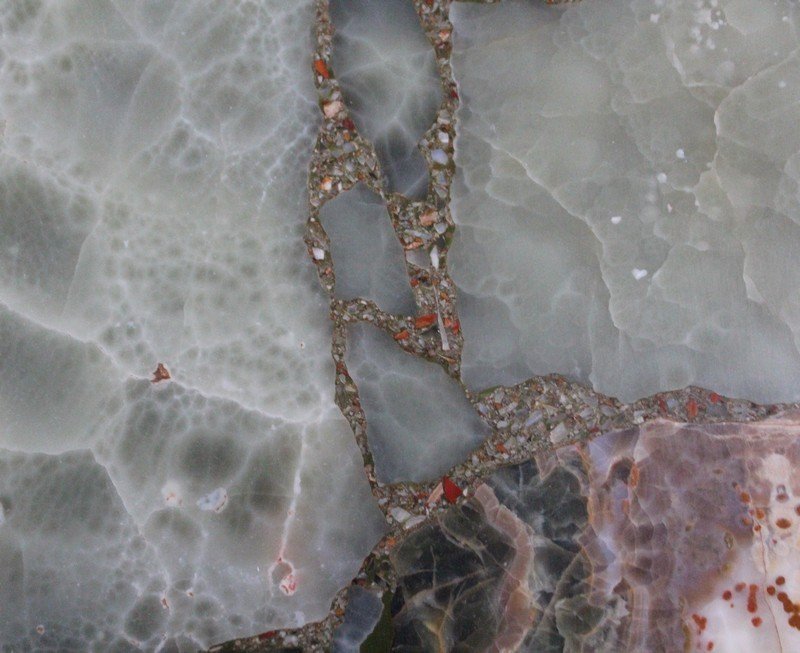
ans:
x=153 y=173
x=367 y=258
x=419 y=421
x=387 y=69
x=451 y=576
x=665 y=537
x=627 y=195
x=364 y=609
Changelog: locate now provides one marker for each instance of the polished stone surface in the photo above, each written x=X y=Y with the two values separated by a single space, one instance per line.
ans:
x=364 y=609
x=667 y=537
x=451 y=577
x=419 y=421
x=636 y=164
x=387 y=69
x=152 y=204
x=368 y=260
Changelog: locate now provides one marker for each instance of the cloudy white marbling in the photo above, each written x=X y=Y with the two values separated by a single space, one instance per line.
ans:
x=387 y=69
x=152 y=203
x=627 y=194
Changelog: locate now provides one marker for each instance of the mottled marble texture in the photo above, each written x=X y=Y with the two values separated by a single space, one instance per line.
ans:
x=419 y=421
x=387 y=69
x=627 y=194
x=682 y=514
x=152 y=203
x=451 y=577
x=668 y=537
x=367 y=258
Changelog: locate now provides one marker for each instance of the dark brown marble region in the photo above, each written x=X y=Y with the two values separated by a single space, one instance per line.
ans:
x=552 y=504
x=664 y=538
x=451 y=577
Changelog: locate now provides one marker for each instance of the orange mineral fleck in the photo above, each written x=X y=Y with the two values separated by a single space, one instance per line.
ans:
x=321 y=68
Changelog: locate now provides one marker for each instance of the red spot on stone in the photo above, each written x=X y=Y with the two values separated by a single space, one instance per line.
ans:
x=752 y=604
x=714 y=398
x=451 y=324
x=757 y=528
x=794 y=621
x=710 y=646
x=760 y=514
x=347 y=123
x=691 y=409
x=267 y=635
x=740 y=586
x=756 y=621
x=161 y=374
x=788 y=606
x=783 y=523
x=727 y=595
x=745 y=497
x=780 y=580
x=662 y=405
x=402 y=335
x=701 y=622
x=424 y=321
x=451 y=490
x=797 y=509
x=771 y=590
x=322 y=69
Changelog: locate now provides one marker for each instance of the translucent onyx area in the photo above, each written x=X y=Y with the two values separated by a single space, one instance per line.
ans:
x=419 y=420
x=152 y=205
x=627 y=194
x=667 y=537
x=387 y=70
x=367 y=257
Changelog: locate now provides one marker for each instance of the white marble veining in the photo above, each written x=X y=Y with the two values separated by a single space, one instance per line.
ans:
x=419 y=420
x=152 y=202
x=368 y=260
x=627 y=196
